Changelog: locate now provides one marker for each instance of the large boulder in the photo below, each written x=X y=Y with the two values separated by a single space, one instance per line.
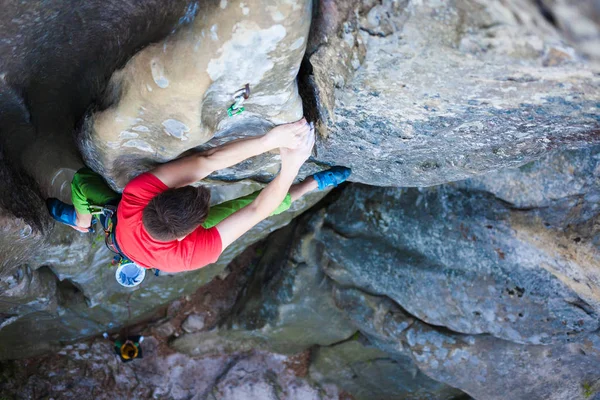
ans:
x=481 y=365
x=174 y=95
x=446 y=90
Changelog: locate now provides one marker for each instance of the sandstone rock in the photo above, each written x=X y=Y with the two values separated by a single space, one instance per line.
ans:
x=164 y=330
x=465 y=260
x=173 y=96
x=193 y=323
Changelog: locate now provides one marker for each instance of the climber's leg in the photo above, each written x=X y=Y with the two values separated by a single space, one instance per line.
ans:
x=320 y=180
x=88 y=191
x=219 y=212
x=300 y=189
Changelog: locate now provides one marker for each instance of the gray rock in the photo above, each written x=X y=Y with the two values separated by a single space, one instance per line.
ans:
x=481 y=365
x=286 y=307
x=466 y=260
x=579 y=21
x=164 y=330
x=489 y=368
x=458 y=89
x=368 y=373
x=193 y=323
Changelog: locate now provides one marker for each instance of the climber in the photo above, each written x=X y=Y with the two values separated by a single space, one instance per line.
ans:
x=130 y=348
x=165 y=223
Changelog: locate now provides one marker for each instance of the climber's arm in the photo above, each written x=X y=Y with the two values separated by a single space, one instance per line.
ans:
x=234 y=226
x=187 y=170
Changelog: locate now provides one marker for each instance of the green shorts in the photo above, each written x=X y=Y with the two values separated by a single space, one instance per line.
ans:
x=219 y=212
x=89 y=191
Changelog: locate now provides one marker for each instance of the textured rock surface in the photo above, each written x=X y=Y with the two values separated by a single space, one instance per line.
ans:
x=91 y=370
x=524 y=257
x=469 y=261
x=448 y=90
x=489 y=285
x=371 y=374
x=579 y=20
x=286 y=306
x=174 y=95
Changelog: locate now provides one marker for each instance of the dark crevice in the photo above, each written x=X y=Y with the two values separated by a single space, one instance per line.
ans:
x=583 y=306
x=224 y=371
x=546 y=12
x=308 y=91
x=371 y=32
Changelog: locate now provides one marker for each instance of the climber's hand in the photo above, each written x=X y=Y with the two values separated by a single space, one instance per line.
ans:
x=290 y=135
x=294 y=158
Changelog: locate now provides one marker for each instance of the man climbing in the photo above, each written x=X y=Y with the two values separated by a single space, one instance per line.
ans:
x=165 y=223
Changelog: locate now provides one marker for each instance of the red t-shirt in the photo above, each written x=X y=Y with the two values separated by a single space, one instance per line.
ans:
x=199 y=248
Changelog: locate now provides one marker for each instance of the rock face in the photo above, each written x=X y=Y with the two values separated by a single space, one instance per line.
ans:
x=485 y=288
x=448 y=90
x=82 y=298
x=91 y=370
x=174 y=95
x=482 y=88
x=523 y=258
x=487 y=285
x=467 y=261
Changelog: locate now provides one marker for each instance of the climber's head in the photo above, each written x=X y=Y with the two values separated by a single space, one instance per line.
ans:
x=129 y=350
x=175 y=213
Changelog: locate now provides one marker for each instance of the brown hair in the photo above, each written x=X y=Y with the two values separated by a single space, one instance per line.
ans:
x=176 y=212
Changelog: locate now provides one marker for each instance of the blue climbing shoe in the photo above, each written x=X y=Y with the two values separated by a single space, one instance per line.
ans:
x=332 y=177
x=62 y=212
x=65 y=214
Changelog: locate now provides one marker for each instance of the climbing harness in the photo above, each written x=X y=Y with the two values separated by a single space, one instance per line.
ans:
x=239 y=97
x=128 y=273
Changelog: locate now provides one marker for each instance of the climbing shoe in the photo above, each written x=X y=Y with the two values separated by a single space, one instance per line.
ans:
x=65 y=213
x=332 y=177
